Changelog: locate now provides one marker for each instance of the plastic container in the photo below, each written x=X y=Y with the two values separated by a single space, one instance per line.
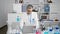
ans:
x=46 y=32
x=18 y=19
x=38 y=31
x=51 y=31
x=56 y=31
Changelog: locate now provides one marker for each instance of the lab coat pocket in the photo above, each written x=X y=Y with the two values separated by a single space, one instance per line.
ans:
x=33 y=21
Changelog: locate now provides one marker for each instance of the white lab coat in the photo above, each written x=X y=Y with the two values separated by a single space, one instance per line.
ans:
x=26 y=19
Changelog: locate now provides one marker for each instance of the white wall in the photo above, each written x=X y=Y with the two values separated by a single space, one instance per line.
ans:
x=31 y=1
x=5 y=7
x=55 y=6
x=55 y=9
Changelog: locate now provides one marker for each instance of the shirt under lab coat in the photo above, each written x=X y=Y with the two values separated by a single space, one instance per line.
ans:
x=28 y=19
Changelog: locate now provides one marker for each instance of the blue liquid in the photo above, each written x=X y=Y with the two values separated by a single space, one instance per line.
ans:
x=17 y=19
x=57 y=27
x=45 y=32
x=56 y=33
x=50 y=30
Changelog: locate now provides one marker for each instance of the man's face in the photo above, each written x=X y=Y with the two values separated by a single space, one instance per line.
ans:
x=29 y=10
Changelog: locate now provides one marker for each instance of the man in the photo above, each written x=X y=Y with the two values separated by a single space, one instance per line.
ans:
x=30 y=18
